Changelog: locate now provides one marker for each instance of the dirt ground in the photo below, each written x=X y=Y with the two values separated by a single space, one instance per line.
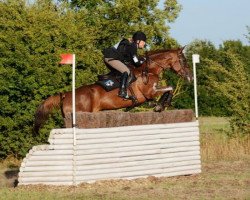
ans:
x=218 y=180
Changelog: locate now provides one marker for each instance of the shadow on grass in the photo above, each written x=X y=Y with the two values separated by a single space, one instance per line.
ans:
x=12 y=177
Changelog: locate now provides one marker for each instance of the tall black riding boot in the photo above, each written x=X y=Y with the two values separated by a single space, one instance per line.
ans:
x=123 y=86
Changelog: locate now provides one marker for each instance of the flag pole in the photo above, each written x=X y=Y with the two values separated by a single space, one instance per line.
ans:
x=195 y=59
x=71 y=59
x=74 y=117
x=74 y=99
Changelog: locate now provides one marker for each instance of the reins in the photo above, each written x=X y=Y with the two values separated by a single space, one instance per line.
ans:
x=145 y=69
x=144 y=74
x=180 y=60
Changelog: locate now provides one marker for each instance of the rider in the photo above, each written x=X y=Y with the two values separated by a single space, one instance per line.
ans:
x=119 y=56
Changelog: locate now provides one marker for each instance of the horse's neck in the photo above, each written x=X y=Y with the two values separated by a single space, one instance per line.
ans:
x=155 y=67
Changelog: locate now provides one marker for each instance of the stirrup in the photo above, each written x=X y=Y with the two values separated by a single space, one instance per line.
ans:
x=124 y=96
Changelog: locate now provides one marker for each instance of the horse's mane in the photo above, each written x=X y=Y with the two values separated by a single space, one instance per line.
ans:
x=154 y=52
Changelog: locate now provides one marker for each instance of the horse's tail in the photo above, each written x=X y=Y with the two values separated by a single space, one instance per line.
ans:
x=44 y=110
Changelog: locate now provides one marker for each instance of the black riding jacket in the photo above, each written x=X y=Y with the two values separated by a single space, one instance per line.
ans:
x=126 y=52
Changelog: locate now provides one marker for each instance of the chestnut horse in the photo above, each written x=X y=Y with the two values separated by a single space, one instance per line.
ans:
x=93 y=98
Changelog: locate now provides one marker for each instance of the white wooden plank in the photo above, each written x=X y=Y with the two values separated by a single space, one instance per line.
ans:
x=195 y=170
x=142 y=132
x=126 y=128
x=49 y=179
x=142 y=146
x=132 y=161
x=139 y=155
x=125 y=164
x=46 y=168
x=82 y=170
x=115 y=175
x=82 y=134
x=62 y=146
x=46 y=173
x=169 y=169
x=51 y=157
x=53 y=152
x=160 y=142
x=185 y=148
x=135 y=174
x=124 y=138
x=58 y=183
x=137 y=150
x=47 y=163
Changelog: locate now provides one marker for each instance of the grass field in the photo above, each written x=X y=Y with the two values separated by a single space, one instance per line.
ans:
x=225 y=175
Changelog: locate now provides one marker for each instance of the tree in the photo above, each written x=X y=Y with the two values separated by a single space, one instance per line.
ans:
x=31 y=39
x=210 y=104
x=233 y=84
x=236 y=47
x=33 y=35
x=116 y=19
x=248 y=36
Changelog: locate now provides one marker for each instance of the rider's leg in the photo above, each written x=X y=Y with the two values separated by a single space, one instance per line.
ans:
x=123 y=86
x=121 y=67
x=118 y=65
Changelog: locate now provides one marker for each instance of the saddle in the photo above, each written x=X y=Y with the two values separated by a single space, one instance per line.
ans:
x=111 y=80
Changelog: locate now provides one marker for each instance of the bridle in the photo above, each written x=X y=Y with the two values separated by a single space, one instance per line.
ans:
x=149 y=60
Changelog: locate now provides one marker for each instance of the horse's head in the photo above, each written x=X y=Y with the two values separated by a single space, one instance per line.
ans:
x=172 y=59
x=179 y=64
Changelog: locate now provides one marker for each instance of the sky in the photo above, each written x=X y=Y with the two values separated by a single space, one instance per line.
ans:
x=213 y=20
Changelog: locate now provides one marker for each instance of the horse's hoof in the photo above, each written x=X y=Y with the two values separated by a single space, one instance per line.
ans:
x=158 y=108
x=151 y=104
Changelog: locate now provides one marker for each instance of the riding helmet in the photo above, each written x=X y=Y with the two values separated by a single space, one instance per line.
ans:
x=139 y=36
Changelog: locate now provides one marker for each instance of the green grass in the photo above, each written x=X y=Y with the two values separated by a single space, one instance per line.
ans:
x=215 y=125
x=216 y=145
x=225 y=175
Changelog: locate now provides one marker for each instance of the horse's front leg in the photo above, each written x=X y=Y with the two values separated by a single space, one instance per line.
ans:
x=164 y=101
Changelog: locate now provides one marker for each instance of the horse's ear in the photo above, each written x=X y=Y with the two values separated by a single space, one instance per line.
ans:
x=181 y=49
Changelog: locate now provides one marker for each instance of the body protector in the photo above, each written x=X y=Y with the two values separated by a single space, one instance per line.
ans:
x=125 y=51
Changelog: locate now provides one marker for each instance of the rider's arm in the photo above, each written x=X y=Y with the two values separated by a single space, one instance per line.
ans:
x=137 y=61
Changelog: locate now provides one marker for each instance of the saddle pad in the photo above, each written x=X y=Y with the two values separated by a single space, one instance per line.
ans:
x=113 y=82
x=109 y=84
